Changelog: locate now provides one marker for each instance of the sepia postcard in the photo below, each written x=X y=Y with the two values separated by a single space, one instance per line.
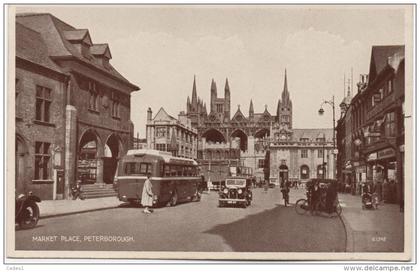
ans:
x=210 y=132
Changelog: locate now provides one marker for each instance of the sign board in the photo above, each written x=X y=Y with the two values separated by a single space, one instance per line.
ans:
x=386 y=153
x=372 y=156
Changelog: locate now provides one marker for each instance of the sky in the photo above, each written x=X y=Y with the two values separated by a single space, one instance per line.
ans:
x=161 y=48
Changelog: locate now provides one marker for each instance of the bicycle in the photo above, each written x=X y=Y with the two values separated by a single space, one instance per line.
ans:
x=302 y=207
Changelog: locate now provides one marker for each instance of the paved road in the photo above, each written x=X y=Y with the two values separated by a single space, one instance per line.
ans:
x=265 y=226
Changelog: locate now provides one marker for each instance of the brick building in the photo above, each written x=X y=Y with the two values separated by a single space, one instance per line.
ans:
x=377 y=122
x=166 y=133
x=72 y=108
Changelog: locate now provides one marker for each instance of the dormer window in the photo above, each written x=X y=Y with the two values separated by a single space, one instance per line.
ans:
x=81 y=40
x=101 y=54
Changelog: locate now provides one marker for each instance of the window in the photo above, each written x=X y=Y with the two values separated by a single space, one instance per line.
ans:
x=167 y=170
x=320 y=153
x=42 y=160
x=304 y=139
x=381 y=94
x=304 y=153
x=136 y=168
x=161 y=147
x=390 y=124
x=43 y=102
x=93 y=96
x=160 y=132
x=219 y=107
x=390 y=86
x=115 y=109
x=261 y=163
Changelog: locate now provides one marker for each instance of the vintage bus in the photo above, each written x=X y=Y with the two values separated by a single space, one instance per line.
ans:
x=173 y=179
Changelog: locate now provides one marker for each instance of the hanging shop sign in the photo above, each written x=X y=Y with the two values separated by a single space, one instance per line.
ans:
x=386 y=153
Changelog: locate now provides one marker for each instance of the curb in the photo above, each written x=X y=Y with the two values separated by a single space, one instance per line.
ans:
x=349 y=234
x=75 y=212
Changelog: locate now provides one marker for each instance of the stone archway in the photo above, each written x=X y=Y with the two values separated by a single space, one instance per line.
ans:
x=243 y=139
x=113 y=150
x=304 y=172
x=283 y=173
x=214 y=136
x=21 y=162
x=89 y=163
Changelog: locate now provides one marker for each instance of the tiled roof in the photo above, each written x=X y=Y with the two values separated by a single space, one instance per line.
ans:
x=54 y=32
x=100 y=49
x=76 y=35
x=312 y=133
x=31 y=47
x=379 y=58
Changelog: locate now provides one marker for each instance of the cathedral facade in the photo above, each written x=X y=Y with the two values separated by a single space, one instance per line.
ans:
x=297 y=153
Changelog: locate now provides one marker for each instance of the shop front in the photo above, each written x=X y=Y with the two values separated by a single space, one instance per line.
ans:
x=382 y=167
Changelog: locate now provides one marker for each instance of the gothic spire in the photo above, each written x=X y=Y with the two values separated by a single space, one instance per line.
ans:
x=251 y=107
x=227 y=89
x=194 y=95
x=285 y=96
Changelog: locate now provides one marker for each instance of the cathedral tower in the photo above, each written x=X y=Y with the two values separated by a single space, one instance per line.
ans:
x=284 y=107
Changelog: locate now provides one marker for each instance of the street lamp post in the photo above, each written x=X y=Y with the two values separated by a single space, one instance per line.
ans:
x=321 y=112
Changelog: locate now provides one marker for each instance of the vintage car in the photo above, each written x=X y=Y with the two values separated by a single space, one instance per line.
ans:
x=236 y=191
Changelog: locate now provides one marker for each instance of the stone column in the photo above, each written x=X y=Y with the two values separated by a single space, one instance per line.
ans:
x=70 y=153
x=100 y=170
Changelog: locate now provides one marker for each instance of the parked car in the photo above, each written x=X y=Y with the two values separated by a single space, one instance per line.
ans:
x=236 y=191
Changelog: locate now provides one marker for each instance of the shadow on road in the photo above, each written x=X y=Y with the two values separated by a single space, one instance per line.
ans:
x=282 y=230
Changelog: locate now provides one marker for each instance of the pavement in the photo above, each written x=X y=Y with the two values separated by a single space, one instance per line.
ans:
x=53 y=208
x=380 y=230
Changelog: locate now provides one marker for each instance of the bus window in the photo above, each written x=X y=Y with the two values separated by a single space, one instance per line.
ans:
x=143 y=168
x=130 y=168
x=179 y=170
x=167 y=170
x=173 y=170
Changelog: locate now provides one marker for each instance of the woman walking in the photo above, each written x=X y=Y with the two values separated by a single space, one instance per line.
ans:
x=147 y=195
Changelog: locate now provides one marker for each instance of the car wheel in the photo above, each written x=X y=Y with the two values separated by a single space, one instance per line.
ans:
x=301 y=206
x=30 y=216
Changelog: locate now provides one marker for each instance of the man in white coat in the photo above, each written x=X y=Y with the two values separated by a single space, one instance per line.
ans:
x=147 y=195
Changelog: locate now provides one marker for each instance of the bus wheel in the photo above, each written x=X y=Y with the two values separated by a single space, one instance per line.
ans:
x=174 y=199
x=196 y=196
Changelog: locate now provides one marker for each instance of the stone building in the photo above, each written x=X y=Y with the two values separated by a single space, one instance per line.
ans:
x=257 y=133
x=72 y=108
x=166 y=133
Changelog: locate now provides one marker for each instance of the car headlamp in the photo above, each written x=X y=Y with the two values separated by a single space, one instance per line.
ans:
x=225 y=191
x=239 y=191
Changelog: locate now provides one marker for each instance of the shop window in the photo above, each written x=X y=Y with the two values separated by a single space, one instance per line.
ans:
x=304 y=153
x=261 y=163
x=93 y=96
x=42 y=160
x=43 y=103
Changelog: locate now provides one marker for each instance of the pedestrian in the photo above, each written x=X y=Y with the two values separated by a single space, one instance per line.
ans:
x=315 y=196
x=392 y=192
x=285 y=192
x=385 y=190
x=147 y=195
x=331 y=197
